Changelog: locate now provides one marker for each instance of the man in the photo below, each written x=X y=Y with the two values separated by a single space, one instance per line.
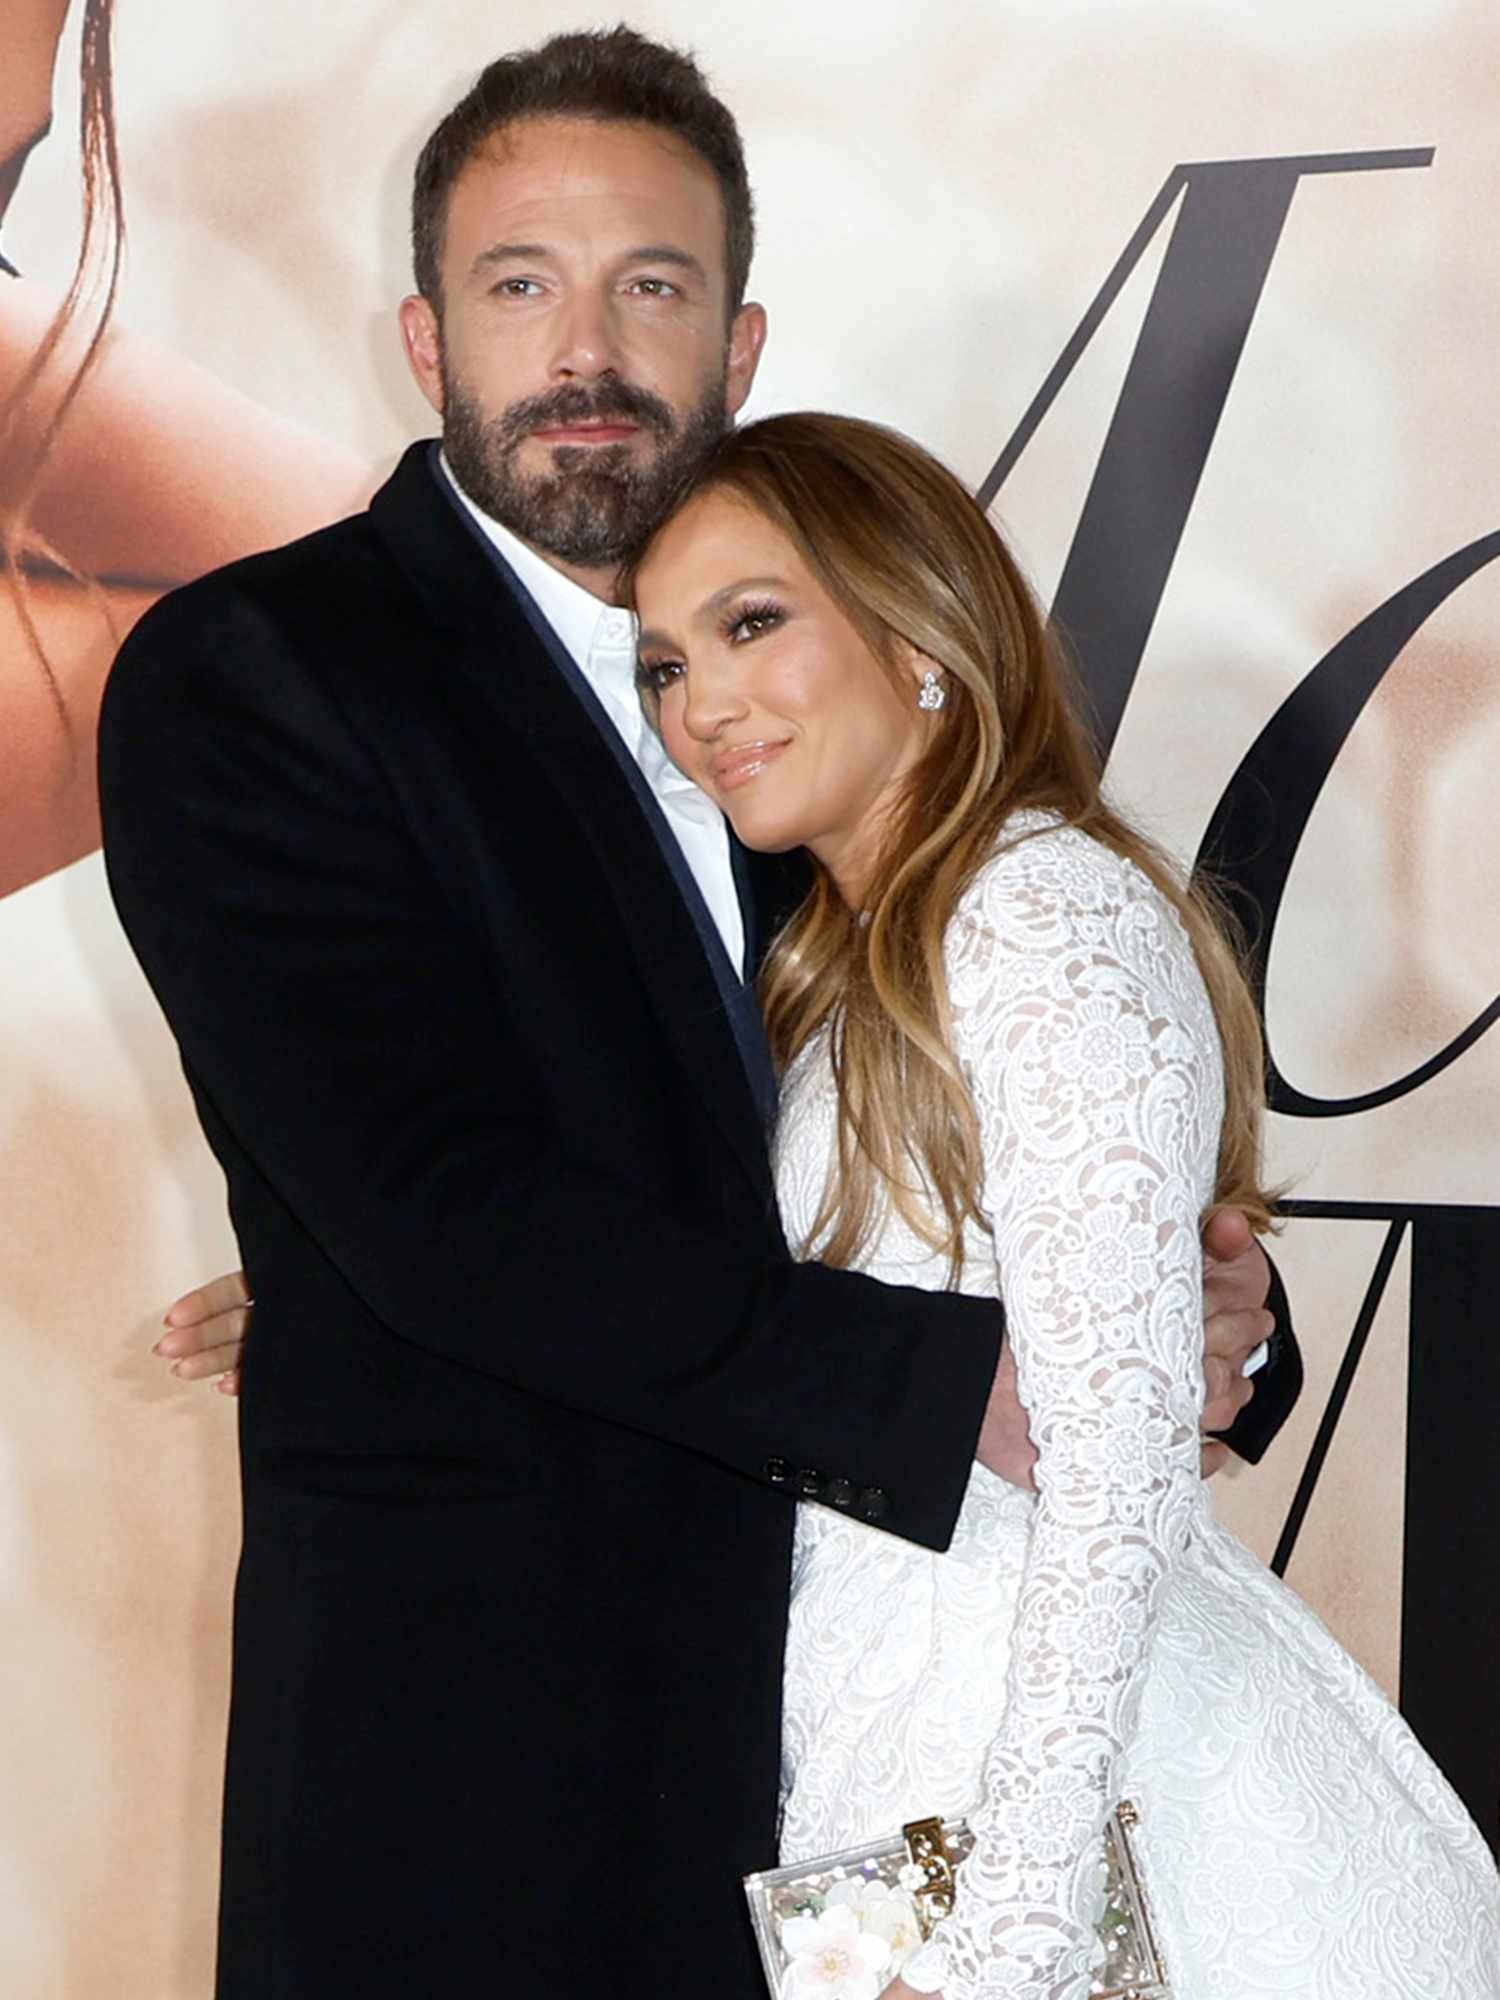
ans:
x=454 y=962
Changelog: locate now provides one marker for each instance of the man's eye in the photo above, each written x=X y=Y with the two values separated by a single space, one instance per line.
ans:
x=654 y=288
x=518 y=288
x=658 y=675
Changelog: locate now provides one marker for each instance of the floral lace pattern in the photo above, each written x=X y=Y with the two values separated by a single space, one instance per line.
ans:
x=1106 y=1637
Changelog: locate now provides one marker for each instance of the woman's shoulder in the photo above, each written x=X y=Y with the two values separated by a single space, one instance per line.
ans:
x=1050 y=887
x=1042 y=858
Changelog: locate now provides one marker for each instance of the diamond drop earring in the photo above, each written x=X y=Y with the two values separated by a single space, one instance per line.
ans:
x=932 y=693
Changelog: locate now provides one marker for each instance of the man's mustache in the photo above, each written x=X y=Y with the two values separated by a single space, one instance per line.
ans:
x=572 y=405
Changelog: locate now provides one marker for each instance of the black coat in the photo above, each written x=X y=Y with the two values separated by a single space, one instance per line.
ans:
x=534 y=1378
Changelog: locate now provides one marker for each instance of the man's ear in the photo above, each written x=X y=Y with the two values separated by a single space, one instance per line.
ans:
x=747 y=336
x=422 y=337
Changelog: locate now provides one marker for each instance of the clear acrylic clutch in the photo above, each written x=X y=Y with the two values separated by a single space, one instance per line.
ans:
x=871 y=1908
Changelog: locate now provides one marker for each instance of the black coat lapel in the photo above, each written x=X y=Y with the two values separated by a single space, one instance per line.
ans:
x=496 y=649
x=770 y=888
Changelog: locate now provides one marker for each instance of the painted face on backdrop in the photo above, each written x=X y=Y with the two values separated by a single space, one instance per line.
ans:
x=584 y=358
x=770 y=697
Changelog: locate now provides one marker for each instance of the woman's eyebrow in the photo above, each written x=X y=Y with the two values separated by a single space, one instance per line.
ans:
x=712 y=606
x=721 y=598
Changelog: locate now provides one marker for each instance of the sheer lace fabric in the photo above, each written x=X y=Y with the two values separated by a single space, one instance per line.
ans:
x=1106 y=1638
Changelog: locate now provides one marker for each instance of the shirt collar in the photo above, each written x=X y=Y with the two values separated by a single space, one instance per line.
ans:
x=587 y=627
x=581 y=620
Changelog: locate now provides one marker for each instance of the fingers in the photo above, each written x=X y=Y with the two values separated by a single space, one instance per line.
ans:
x=1227 y=1235
x=1240 y=1283
x=209 y=1334
x=208 y=1361
x=205 y=1334
x=1227 y=1393
x=1233 y=1337
x=219 y=1295
x=1215 y=1457
x=1004 y=1446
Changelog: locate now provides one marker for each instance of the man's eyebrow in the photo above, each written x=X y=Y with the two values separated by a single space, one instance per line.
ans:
x=507 y=253
x=665 y=253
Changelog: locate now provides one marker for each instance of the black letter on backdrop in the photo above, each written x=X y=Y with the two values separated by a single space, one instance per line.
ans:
x=1173 y=396
x=1112 y=583
x=1253 y=837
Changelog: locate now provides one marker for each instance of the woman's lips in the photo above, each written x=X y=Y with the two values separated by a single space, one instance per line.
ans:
x=736 y=767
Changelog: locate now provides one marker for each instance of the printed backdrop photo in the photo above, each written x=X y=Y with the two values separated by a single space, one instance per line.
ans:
x=1202 y=298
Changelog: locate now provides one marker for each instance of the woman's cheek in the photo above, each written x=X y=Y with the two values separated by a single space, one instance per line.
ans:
x=678 y=743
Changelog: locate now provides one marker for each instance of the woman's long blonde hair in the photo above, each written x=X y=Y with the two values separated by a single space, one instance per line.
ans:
x=909 y=555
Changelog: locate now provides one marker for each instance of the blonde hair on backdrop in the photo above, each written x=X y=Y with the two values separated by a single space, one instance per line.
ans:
x=40 y=402
x=909 y=555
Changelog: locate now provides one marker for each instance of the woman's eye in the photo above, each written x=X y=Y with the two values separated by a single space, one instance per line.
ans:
x=658 y=675
x=752 y=621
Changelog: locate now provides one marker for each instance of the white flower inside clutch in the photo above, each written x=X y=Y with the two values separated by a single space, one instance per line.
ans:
x=842 y=1927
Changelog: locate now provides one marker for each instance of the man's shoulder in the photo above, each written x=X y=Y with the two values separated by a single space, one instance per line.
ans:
x=341 y=570
x=314 y=606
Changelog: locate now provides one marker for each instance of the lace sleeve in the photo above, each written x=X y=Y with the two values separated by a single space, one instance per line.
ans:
x=1092 y=1053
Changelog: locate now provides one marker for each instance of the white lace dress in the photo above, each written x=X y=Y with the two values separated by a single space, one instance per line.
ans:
x=1107 y=1638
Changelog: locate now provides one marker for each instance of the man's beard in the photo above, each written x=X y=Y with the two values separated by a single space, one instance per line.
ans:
x=596 y=505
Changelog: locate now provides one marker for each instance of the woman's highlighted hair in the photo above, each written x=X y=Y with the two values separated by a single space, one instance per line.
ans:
x=910 y=555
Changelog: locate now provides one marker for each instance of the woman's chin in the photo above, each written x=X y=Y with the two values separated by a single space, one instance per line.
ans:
x=765 y=833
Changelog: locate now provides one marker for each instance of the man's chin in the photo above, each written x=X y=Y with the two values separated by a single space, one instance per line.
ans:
x=539 y=463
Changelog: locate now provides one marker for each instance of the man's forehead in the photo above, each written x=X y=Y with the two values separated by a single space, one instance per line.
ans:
x=572 y=160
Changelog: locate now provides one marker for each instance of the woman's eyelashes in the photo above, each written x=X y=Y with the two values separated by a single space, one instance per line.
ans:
x=656 y=676
x=738 y=627
x=749 y=621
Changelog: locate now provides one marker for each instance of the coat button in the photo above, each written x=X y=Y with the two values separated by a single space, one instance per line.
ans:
x=840 y=1493
x=874 y=1503
x=778 y=1471
x=810 y=1483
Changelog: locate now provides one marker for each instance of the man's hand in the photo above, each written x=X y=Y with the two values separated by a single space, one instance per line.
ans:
x=1005 y=1445
x=1236 y=1282
x=206 y=1332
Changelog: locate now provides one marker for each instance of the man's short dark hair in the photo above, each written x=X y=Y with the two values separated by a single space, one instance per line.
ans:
x=609 y=74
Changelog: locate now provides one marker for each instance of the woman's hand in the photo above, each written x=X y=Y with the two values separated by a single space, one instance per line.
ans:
x=899 y=1990
x=206 y=1332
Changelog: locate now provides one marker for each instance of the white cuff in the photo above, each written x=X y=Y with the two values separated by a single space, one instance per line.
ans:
x=927 y=1971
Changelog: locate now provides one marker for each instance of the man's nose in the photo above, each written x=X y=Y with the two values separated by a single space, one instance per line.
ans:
x=587 y=339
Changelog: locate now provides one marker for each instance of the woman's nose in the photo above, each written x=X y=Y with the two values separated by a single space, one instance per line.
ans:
x=711 y=702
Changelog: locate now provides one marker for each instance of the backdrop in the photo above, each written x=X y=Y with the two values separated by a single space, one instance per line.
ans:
x=1204 y=295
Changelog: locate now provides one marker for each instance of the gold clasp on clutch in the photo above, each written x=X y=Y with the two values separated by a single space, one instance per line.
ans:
x=929 y=1851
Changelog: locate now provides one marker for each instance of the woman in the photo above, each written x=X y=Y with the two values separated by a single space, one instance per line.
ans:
x=1018 y=1056
x=124 y=470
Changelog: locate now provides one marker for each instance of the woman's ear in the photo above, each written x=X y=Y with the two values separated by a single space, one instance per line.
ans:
x=928 y=681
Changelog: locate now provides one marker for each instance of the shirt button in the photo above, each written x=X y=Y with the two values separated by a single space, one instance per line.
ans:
x=874 y=1503
x=778 y=1471
x=810 y=1483
x=840 y=1493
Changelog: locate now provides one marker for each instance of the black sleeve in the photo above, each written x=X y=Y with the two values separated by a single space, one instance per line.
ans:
x=1277 y=1385
x=327 y=1006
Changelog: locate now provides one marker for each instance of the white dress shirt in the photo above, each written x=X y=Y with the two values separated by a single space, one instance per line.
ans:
x=600 y=640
